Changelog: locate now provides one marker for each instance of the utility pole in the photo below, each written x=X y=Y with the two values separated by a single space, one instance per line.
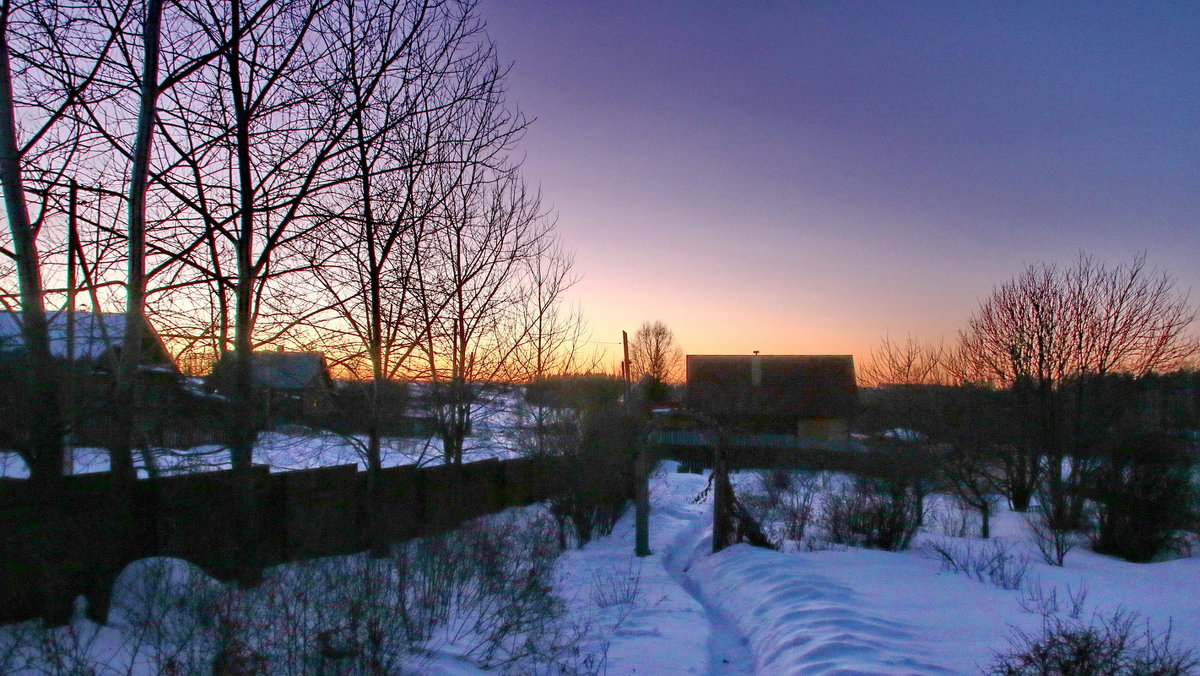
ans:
x=641 y=499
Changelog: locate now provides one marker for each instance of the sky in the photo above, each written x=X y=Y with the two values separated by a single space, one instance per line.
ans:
x=808 y=177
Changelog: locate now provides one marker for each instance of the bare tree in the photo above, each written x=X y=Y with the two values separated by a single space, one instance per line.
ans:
x=43 y=451
x=557 y=333
x=912 y=362
x=50 y=69
x=653 y=353
x=474 y=296
x=415 y=136
x=1046 y=333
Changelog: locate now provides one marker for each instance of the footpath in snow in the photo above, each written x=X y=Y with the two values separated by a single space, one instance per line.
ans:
x=742 y=611
x=666 y=629
x=837 y=611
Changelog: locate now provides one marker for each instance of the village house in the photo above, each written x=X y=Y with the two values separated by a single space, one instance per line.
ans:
x=86 y=347
x=290 y=386
x=806 y=398
x=93 y=339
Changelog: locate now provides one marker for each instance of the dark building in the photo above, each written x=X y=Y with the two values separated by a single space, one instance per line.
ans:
x=811 y=397
x=86 y=348
x=291 y=386
x=89 y=338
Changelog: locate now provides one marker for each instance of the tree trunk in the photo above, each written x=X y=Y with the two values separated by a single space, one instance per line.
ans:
x=723 y=528
x=43 y=449
x=128 y=402
x=242 y=424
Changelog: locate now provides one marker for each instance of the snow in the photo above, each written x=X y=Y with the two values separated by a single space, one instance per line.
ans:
x=282 y=450
x=904 y=434
x=856 y=611
x=840 y=610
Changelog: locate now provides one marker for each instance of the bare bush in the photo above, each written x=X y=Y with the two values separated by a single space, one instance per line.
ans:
x=1143 y=496
x=952 y=519
x=617 y=587
x=1117 y=645
x=591 y=459
x=162 y=607
x=1038 y=599
x=486 y=590
x=70 y=650
x=784 y=502
x=876 y=513
x=1052 y=532
x=989 y=563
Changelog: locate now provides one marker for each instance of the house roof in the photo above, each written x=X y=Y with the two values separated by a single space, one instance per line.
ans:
x=801 y=386
x=95 y=335
x=289 y=370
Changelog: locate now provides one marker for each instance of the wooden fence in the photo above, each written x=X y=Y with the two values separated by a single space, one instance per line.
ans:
x=51 y=552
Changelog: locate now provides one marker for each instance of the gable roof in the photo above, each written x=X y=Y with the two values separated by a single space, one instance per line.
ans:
x=800 y=386
x=289 y=370
x=96 y=335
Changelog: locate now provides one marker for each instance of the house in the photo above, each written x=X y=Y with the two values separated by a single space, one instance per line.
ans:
x=91 y=338
x=805 y=397
x=291 y=386
x=86 y=348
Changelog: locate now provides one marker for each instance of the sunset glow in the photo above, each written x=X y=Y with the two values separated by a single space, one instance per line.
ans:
x=806 y=178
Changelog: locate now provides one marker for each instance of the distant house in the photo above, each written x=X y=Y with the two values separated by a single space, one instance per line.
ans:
x=290 y=385
x=808 y=397
x=89 y=338
x=86 y=348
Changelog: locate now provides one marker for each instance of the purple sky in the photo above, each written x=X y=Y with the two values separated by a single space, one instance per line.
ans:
x=804 y=177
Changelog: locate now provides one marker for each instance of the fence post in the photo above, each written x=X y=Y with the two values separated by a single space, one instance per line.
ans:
x=723 y=530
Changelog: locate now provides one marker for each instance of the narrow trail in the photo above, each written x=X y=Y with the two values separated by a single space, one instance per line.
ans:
x=728 y=650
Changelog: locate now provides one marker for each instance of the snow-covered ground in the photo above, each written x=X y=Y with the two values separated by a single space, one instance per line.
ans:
x=839 y=610
x=856 y=611
x=282 y=450
x=495 y=428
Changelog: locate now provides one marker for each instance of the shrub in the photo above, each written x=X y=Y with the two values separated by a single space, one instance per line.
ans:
x=616 y=587
x=591 y=459
x=876 y=513
x=784 y=502
x=1045 y=601
x=1143 y=495
x=1117 y=645
x=992 y=562
x=953 y=518
x=1051 y=532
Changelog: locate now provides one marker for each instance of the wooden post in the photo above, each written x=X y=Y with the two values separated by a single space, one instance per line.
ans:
x=722 y=497
x=641 y=497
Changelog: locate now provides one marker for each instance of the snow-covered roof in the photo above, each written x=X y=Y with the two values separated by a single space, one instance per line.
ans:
x=95 y=334
x=290 y=370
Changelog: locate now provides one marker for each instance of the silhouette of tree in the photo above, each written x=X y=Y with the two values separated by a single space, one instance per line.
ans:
x=653 y=353
x=1048 y=335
